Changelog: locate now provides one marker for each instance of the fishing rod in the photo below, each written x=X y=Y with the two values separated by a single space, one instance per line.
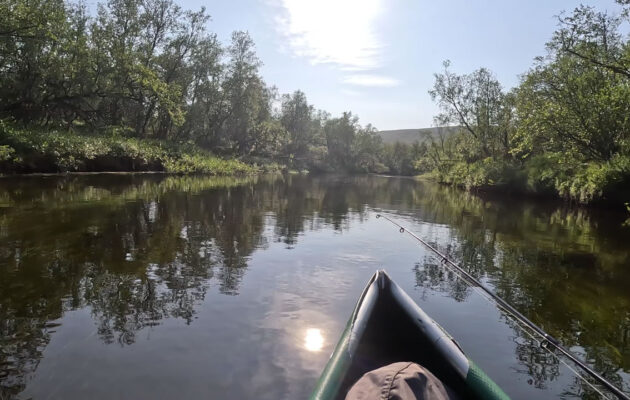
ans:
x=548 y=339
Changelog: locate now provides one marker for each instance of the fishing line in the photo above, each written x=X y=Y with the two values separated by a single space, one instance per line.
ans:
x=526 y=329
x=548 y=340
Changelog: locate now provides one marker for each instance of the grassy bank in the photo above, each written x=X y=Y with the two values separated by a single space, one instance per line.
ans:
x=32 y=150
x=551 y=175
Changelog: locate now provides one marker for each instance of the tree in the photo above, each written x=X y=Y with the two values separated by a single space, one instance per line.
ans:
x=244 y=92
x=298 y=118
x=439 y=150
x=366 y=149
x=205 y=98
x=149 y=69
x=34 y=40
x=477 y=103
x=594 y=37
x=576 y=100
x=271 y=139
x=340 y=134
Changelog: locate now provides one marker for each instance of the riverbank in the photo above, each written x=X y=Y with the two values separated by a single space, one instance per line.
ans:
x=38 y=151
x=604 y=183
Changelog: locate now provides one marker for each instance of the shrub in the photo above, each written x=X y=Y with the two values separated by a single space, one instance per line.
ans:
x=34 y=150
x=484 y=173
x=582 y=182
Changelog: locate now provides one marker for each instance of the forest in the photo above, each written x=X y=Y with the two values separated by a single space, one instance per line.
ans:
x=142 y=85
x=137 y=85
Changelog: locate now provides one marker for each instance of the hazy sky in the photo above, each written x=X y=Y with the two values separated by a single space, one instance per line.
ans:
x=376 y=58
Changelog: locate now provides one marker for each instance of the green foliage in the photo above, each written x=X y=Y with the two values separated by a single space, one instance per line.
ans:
x=6 y=153
x=147 y=87
x=302 y=124
x=484 y=173
x=564 y=131
x=340 y=134
x=401 y=159
x=560 y=105
x=593 y=180
x=477 y=103
x=55 y=151
x=270 y=140
x=147 y=69
x=202 y=162
x=365 y=150
x=549 y=173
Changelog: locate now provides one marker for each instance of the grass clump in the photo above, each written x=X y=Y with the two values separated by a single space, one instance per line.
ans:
x=547 y=174
x=482 y=174
x=36 y=150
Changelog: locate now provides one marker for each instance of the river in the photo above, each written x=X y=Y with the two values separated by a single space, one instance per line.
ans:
x=122 y=286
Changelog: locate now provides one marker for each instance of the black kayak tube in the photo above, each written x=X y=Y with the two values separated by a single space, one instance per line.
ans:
x=548 y=339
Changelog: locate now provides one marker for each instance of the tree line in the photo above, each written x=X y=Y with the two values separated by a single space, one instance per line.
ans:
x=135 y=71
x=564 y=130
x=149 y=69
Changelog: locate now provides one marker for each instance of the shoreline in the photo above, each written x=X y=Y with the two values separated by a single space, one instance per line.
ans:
x=490 y=192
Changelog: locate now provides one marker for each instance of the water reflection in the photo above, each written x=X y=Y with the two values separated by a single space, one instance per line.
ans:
x=136 y=251
x=313 y=341
x=566 y=270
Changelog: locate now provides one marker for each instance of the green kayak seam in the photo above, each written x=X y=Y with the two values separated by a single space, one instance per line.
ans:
x=482 y=385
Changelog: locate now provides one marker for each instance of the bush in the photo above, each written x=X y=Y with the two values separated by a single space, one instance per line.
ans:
x=35 y=150
x=595 y=181
x=480 y=174
x=577 y=181
x=6 y=153
x=549 y=174
x=202 y=162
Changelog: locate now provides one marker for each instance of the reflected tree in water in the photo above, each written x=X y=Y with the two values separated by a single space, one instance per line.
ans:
x=136 y=250
x=558 y=284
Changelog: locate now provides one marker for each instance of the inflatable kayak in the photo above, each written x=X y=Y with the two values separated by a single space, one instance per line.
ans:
x=387 y=326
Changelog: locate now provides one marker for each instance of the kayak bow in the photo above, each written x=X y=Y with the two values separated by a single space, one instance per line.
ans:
x=387 y=326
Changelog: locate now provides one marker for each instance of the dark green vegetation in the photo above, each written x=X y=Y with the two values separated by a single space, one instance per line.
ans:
x=141 y=85
x=565 y=130
x=169 y=285
x=44 y=151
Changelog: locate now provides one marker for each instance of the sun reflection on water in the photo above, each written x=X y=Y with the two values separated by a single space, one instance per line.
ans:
x=313 y=341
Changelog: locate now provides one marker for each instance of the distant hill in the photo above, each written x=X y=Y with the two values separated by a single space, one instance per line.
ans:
x=410 y=136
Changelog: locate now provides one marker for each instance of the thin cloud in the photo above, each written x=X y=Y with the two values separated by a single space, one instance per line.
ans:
x=340 y=32
x=371 y=80
x=350 y=92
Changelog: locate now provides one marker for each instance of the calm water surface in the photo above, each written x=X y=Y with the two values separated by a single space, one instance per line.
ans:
x=150 y=286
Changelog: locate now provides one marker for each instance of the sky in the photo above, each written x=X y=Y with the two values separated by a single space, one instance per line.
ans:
x=377 y=58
